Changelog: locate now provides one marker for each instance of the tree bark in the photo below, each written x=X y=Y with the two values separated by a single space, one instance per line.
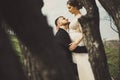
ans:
x=97 y=57
x=31 y=28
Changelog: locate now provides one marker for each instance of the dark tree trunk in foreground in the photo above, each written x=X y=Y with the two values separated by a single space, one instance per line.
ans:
x=31 y=28
x=97 y=57
x=113 y=9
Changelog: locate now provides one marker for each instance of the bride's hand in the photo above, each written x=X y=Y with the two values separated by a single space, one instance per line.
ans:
x=72 y=46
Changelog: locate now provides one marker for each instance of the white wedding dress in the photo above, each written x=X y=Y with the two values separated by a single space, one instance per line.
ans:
x=81 y=59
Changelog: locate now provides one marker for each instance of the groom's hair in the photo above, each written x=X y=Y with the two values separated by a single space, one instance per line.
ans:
x=56 y=20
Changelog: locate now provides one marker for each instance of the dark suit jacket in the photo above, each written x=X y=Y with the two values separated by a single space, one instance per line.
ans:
x=63 y=40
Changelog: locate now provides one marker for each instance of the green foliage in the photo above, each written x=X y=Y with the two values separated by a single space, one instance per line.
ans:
x=16 y=46
x=113 y=59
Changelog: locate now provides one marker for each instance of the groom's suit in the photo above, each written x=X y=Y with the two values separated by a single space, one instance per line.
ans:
x=63 y=40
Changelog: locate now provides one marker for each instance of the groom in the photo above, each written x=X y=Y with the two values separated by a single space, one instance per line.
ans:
x=63 y=40
x=62 y=37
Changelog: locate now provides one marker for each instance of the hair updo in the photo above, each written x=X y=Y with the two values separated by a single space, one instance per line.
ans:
x=75 y=3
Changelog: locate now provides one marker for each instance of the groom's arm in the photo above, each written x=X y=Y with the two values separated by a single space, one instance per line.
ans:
x=77 y=49
x=80 y=49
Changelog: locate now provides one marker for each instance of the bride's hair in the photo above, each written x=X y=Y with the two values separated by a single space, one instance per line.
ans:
x=75 y=3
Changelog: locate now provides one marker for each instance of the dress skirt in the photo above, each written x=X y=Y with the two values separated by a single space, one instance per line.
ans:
x=83 y=66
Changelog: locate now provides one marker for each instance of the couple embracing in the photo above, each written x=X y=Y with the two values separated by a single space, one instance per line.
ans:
x=70 y=38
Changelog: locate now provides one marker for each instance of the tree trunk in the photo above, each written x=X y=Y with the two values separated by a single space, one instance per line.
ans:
x=97 y=57
x=31 y=28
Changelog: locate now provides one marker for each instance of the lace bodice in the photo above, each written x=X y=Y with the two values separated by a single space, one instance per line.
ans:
x=74 y=24
x=74 y=27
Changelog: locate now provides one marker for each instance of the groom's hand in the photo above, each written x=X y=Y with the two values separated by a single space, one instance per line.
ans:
x=72 y=46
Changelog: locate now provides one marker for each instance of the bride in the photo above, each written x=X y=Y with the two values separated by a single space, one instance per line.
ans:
x=76 y=34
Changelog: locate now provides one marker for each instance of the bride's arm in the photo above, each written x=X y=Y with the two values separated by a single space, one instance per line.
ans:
x=79 y=39
x=74 y=44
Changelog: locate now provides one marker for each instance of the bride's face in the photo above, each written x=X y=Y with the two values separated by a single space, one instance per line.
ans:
x=72 y=9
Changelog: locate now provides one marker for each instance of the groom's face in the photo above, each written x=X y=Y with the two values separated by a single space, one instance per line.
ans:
x=63 y=21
